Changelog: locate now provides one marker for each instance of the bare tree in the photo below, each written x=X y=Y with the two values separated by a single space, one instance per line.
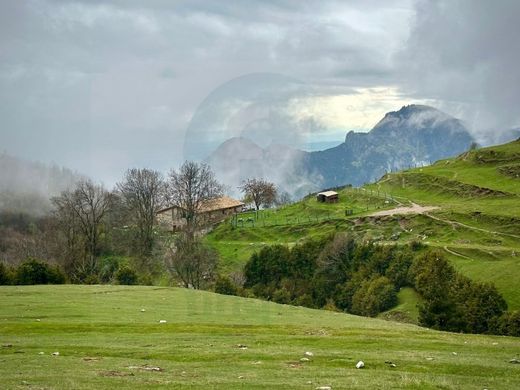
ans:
x=81 y=214
x=142 y=193
x=193 y=262
x=190 y=187
x=261 y=192
x=188 y=258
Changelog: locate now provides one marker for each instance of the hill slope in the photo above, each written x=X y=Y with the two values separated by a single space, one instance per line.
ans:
x=105 y=340
x=476 y=221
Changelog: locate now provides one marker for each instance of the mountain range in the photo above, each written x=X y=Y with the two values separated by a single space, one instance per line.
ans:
x=412 y=136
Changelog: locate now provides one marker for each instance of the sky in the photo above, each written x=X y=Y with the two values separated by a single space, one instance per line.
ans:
x=103 y=86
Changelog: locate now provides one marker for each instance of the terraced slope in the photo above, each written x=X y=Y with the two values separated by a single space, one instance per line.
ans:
x=476 y=219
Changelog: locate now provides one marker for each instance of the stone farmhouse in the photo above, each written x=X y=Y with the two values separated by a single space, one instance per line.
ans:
x=173 y=218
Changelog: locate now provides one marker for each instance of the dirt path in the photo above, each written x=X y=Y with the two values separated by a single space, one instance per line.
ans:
x=456 y=253
x=455 y=223
x=413 y=209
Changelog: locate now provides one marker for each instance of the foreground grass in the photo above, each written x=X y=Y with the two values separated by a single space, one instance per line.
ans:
x=105 y=340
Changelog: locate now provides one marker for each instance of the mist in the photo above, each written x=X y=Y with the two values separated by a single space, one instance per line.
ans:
x=463 y=55
x=26 y=186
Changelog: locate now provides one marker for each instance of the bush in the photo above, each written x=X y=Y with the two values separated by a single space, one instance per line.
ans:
x=508 y=324
x=33 y=271
x=453 y=302
x=304 y=300
x=269 y=265
x=225 y=286
x=282 y=296
x=416 y=245
x=108 y=268
x=126 y=275
x=374 y=296
x=145 y=279
x=91 y=279
x=6 y=277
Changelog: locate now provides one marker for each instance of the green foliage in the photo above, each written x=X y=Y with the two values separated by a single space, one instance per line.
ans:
x=432 y=275
x=33 y=271
x=452 y=301
x=374 y=296
x=108 y=266
x=508 y=324
x=281 y=296
x=126 y=275
x=6 y=277
x=328 y=272
x=225 y=286
x=91 y=279
x=398 y=269
x=268 y=265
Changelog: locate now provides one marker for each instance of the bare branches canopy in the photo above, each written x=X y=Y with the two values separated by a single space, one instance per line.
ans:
x=192 y=185
x=259 y=191
x=81 y=213
x=142 y=193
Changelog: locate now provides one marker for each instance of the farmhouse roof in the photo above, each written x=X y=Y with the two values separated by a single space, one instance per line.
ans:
x=221 y=203
x=328 y=193
x=224 y=202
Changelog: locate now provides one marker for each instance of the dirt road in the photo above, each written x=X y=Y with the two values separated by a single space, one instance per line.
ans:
x=413 y=209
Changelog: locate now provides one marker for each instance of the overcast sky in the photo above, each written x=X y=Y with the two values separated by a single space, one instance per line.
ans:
x=101 y=86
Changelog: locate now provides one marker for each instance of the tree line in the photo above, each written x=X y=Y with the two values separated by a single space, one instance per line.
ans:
x=339 y=273
x=92 y=232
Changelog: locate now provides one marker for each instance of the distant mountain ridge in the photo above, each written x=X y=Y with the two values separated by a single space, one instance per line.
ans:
x=413 y=135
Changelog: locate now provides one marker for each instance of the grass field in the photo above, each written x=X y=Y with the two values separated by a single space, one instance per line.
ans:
x=105 y=340
x=477 y=224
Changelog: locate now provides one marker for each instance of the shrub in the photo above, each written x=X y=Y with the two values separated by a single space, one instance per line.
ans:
x=6 y=277
x=108 y=268
x=281 y=296
x=268 y=265
x=331 y=306
x=304 y=300
x=225 y=286
x=508 y=324
x=416 y=245
x=33 y=271
x=91 y=279
x=398 y=269
x=145 y=279
x=126 y=275
x=374 y=296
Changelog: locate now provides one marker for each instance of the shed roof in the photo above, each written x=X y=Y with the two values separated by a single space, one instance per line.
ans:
x=328 y=193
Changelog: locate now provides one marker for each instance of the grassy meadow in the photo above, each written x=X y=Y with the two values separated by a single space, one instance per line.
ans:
x=111 y=337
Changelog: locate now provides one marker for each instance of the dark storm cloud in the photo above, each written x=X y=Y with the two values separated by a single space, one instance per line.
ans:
x=465 y=55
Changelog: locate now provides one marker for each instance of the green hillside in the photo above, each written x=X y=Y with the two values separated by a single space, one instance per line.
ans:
x=111 y=337
x=477 y=222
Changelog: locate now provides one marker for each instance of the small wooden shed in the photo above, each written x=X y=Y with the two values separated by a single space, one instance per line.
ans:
x=327 y=197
